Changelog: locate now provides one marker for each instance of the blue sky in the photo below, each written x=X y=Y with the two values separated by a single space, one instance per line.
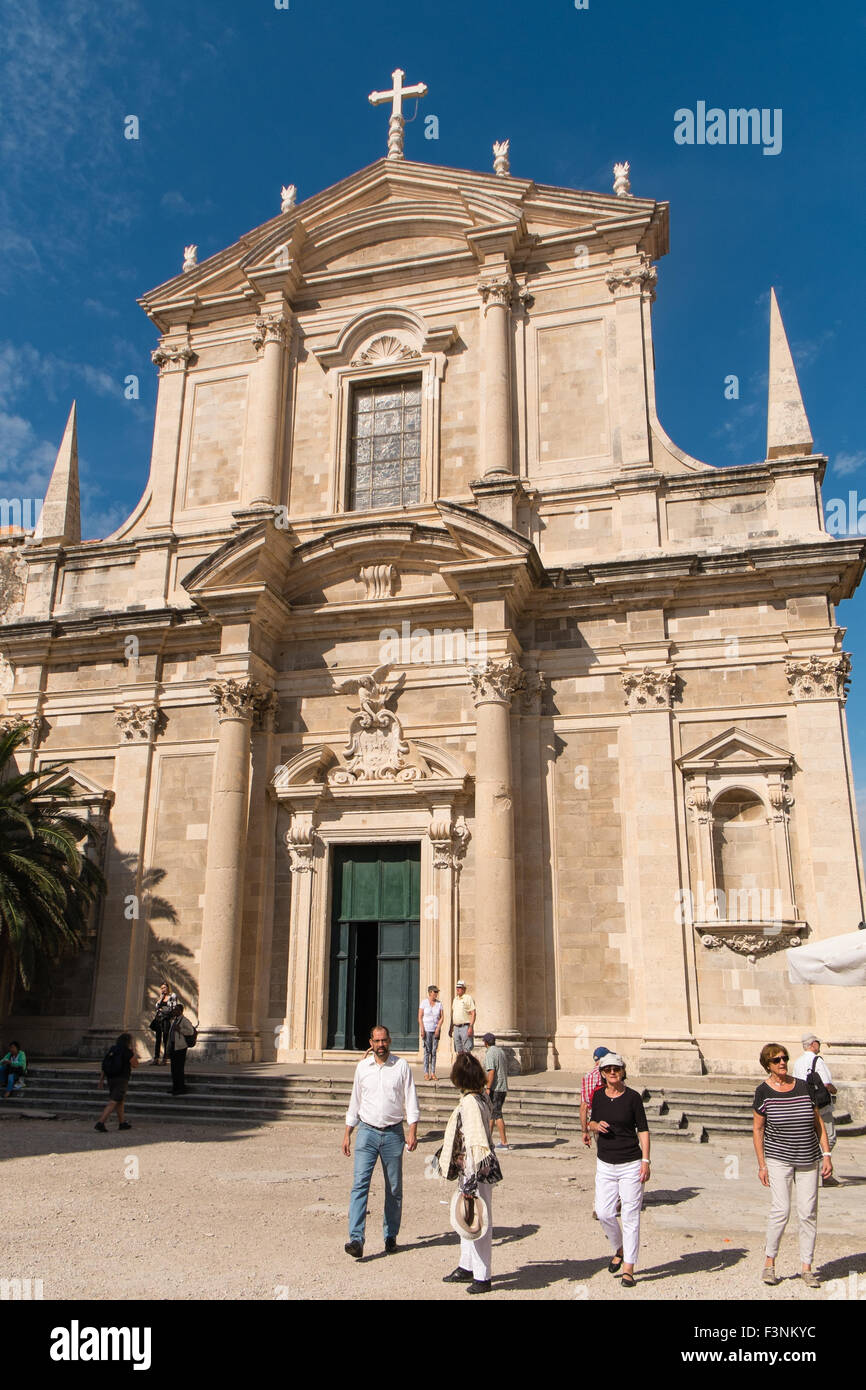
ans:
x=236 y=97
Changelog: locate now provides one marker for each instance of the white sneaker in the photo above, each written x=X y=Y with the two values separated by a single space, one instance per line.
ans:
x=503 y=1148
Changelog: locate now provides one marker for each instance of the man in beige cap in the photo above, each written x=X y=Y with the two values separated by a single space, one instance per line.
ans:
x=462 y=1028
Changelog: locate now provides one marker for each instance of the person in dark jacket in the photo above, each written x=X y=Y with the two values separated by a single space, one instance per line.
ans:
x=177 y=1047
x=117 y=1065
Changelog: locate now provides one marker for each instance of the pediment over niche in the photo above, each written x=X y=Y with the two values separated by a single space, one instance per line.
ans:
x=736 y=751
x=76 y=784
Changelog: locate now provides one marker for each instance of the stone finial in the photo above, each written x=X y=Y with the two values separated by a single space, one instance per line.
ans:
x=501 y=161
x=788 y=432
x=60 y=519
x=621 y=184
x=288 y=197
x=190 y=257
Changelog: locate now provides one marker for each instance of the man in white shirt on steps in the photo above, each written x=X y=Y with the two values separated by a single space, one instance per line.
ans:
x=382 y=1096
x=811 y=1057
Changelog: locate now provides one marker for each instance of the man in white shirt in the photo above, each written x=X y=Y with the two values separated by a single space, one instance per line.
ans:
x=383 y=1094
x=811 y=1056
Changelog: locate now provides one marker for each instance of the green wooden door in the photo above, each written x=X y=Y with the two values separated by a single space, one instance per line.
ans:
x=375 y=943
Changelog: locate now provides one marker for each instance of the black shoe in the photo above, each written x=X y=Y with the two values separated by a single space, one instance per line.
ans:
x=355 y=1248
x=479 y=1286
x=125 y=1125
x=390 y=1245
x=101 y=1127
x=458 y=1276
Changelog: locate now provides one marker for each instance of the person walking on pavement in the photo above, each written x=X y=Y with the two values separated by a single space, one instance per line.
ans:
x=178 y=1045
x=117 y=1065
x=496 y=1069
x=811 y=1068
x=791 y=1148
x=430 y=1023
x=462 y=1027
x=383 y=1095
x=618 y=1118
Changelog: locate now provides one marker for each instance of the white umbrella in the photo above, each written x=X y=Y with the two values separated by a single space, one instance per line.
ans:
x=837 y=960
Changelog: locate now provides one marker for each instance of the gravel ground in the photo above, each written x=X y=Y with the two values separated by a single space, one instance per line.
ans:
x=261 y=1214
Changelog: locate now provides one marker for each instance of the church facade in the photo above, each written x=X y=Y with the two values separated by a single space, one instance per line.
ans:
x=426 y=653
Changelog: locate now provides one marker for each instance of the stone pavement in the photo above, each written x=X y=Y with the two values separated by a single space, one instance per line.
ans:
x=261 y=1214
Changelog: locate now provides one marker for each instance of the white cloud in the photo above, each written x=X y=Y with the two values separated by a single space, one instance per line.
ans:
x=843 y=463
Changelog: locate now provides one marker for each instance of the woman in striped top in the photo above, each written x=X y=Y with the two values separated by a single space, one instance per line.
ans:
x=790 y=1141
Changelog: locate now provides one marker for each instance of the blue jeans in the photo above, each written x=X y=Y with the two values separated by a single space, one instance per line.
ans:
x=431 y=1043
x=370 y=1145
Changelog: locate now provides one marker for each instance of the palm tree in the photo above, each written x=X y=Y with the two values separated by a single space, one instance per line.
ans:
x=48 y=884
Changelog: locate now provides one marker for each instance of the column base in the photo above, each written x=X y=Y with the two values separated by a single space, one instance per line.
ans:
x=674 y=1056
x=222 y=1045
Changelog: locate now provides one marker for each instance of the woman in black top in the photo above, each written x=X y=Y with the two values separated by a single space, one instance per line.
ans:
x=618 y=1120
x=790 y=1140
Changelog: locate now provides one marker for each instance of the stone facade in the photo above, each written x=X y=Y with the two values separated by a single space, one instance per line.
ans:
x=599 y=683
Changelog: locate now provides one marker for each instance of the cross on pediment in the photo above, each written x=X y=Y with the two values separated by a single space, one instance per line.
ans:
x=397 y=121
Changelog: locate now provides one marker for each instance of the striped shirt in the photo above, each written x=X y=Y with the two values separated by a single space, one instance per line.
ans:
x=790 y=1135
x=591 y=1083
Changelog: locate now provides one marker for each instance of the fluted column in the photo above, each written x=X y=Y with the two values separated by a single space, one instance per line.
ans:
x=238 y=702
x=260 y=470
x=493 y=684
x=496 y=295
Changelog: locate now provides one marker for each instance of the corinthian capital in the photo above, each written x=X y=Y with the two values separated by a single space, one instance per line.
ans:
x=641 y=277
x=819 y=677
x=271 y=327
x=137 y=721
x=498 y=291
x=173 y=357
x=649 y=689
x=34 y=726
x=494 y=682
x=238 y=699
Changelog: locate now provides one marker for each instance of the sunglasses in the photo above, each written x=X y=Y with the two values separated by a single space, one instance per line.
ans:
x=781 y=1058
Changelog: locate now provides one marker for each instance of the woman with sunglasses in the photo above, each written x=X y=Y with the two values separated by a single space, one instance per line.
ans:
x=618 y=1120
x=790 y=1142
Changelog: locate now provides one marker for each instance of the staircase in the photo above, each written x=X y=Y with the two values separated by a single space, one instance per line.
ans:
x=246 y=1097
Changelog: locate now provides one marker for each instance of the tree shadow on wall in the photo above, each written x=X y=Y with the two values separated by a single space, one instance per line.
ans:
x=166 y=956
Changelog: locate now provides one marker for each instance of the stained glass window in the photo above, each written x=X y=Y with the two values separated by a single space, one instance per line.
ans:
x=385 y=462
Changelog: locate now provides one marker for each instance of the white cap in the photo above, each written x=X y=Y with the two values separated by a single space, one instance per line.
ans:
x=610 y=1059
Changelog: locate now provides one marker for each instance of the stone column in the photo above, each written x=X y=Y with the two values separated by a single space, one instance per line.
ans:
x=495 y=987
x=173 y=358
x=301 y=846
x=238 y=701
x=496 y=451
x=262 y=454
x=829 y=853
x=654 y=866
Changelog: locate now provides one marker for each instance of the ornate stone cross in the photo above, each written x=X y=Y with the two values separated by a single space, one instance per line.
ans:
x=397 y=121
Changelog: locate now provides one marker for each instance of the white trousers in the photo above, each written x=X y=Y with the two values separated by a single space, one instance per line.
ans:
x=475 y=1254
x=805 y=1181
x=620 y=1182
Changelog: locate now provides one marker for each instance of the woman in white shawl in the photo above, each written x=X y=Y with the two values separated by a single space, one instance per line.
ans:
x=467 y=1155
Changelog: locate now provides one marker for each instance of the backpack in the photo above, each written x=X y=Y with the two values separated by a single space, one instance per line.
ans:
x=817 y=1090
x=192 y=1038
x=114 y=1063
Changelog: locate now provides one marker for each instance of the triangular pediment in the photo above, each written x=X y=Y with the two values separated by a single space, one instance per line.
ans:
x=736 y=750
x=397 y=210
x=81 y=788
